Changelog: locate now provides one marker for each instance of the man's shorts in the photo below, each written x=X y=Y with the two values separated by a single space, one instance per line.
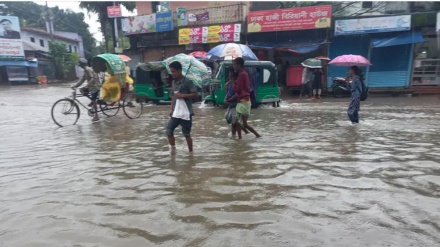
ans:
x=173 y=123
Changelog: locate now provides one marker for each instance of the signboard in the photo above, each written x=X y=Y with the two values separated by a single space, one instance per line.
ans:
x=139 y=24
x=11 y=45
x=181 y=17
x=211 y=34
x=164 y=22
x=290 y=19
x=373 y=25
x=114 y=11
x=164 y=6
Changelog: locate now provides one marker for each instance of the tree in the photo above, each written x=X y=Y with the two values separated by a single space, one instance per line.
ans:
x=63 y=61
x=100 y=8
x=31 y=14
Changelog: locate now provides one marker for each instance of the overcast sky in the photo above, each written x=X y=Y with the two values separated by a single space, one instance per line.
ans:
x=91 y=19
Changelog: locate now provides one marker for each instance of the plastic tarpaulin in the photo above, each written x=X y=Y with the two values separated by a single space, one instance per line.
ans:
x=403 y=39
x=19 y=63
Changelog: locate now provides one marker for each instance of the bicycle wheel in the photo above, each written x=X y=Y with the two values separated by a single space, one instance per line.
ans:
x=65 y=112
x=131 y=107
x=109 y=110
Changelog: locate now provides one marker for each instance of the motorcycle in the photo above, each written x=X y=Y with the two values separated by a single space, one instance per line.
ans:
x=340 y=87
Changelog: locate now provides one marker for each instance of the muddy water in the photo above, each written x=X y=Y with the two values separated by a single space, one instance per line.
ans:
x=311 y=180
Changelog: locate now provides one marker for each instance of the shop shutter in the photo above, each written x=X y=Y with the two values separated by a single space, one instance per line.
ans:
x=391 y=66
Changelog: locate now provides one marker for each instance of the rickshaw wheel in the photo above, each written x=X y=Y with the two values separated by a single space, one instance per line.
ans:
x=108 y=110
x=65 y=112
x=132 y=108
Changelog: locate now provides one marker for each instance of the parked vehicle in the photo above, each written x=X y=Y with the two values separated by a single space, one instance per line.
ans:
x=340 y=87
x=263 y=75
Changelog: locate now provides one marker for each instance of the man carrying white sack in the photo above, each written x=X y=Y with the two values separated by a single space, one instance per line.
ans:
x=181 y=110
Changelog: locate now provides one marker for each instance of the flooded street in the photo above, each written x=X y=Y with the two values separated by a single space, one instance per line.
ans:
x=311 y=180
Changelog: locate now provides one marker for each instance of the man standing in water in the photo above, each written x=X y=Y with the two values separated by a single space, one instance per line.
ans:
x=242 y=95
x=182 y=88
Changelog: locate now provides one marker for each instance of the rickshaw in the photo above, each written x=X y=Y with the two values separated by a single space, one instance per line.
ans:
x=263 y=76
x=152 y=82
x=114 y=94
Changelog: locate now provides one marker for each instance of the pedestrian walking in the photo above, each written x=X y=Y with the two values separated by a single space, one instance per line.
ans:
x=181 y=111
x=317 y=83
x=356 y=91
x=307 y=77
x=242 y=95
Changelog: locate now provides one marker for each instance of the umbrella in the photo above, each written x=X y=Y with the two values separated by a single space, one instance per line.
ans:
x=192 y=69
x=199 y=54
x=312 y=63
x=231 y=50
x=125 y=58
x=350 y=60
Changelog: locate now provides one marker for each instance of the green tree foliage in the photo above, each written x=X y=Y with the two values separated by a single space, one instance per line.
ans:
x=33 y=15
x=100 y=8
x=63 y=61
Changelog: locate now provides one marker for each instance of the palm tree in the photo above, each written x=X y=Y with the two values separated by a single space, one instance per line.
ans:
x=100 y=8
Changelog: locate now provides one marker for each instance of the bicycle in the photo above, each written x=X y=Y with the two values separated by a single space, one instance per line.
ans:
x=70 y=108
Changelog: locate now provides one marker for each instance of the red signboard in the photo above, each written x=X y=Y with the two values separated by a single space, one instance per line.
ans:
x=114 y=11
x=290 y=19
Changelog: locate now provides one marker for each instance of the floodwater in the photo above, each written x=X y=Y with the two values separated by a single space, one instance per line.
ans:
x=311 y=180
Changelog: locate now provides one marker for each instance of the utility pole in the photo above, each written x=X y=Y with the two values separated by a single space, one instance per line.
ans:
x=116 y=30
x=49 y=18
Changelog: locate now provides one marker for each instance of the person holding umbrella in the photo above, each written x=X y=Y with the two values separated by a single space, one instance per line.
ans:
x=356 y=91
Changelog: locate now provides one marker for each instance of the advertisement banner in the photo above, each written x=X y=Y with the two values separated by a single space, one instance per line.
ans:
x=290 y=19
x=211 y=34
x=181 y=17
x=373 y=25
x=164 y=22
x=114 y=11
x=139 y=24
x=11 y=46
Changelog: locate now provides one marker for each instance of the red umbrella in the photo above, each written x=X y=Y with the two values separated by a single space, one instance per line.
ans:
x=125 y=58
x=199 y=54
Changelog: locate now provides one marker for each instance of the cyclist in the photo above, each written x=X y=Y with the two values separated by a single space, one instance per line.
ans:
x=93 y=85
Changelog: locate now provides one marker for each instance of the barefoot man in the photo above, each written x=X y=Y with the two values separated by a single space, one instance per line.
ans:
x=182 y=88
x=242 y=95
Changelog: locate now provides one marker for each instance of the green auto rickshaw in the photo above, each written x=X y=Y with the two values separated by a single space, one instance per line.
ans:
x=152 y=82
x=263 y=76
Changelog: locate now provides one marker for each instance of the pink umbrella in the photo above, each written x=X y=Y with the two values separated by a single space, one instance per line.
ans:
x=199 y=54
x=350 y=60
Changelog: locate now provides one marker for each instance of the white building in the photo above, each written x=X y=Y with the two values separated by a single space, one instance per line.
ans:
x=38 y=40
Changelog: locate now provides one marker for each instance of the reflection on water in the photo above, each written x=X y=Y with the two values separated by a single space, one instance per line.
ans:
x=311 y=180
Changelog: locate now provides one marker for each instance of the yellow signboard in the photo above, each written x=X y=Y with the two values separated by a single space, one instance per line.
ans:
x=184 y=31
x=184 y=40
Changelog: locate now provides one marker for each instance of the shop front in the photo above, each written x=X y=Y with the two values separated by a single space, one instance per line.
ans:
x=295 y=35
x=426 y=65
x=386 y=41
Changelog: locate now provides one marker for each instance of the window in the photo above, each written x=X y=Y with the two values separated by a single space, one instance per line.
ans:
x=155 y=7
x=32 y=39
x=76 y=49
x=42 y=43
x=70 y=48
x=266 y=76
x=367 y=5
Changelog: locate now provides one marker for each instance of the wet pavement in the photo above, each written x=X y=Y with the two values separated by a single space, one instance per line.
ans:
x=311 y=180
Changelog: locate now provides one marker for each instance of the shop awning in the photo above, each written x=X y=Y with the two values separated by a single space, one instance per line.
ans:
x=403 y=39
x=300 y=48
x=19 y=63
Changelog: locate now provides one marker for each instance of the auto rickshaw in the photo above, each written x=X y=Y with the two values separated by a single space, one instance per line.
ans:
x=263 y=76
x=152 y=82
